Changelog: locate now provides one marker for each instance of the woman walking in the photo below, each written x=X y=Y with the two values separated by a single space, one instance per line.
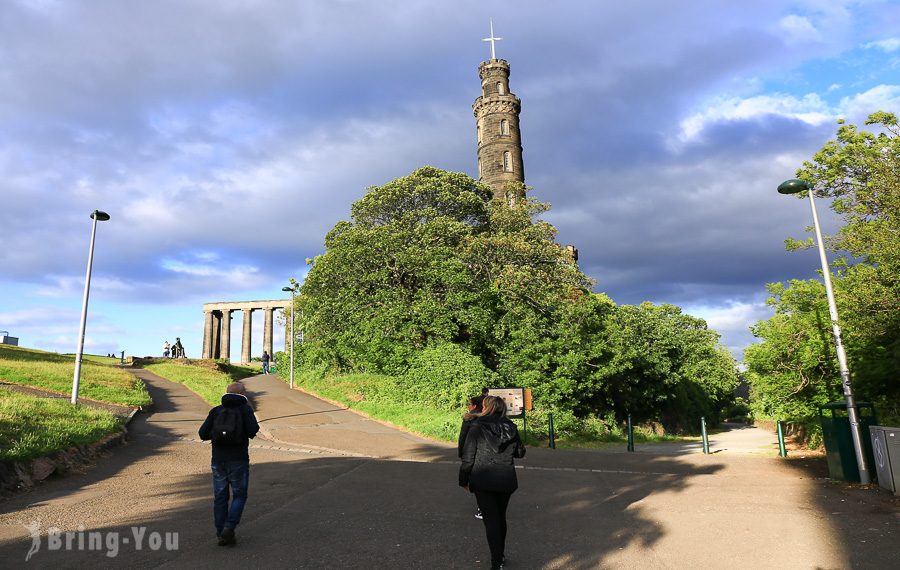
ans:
x=474 y=409
x=488 y=471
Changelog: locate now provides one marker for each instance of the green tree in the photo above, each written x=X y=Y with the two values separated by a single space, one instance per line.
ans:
x=794 y=368
x=436 y=284
x=666 y=366
x=392 y=279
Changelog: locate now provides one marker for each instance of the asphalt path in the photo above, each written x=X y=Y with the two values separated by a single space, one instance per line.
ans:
x=332 y=489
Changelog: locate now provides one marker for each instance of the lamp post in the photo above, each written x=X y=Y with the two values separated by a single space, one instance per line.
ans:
x=292 y=290
x=795 y=186
x=97 y=216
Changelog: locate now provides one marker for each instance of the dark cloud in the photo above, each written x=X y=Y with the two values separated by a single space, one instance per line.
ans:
x=226 y=138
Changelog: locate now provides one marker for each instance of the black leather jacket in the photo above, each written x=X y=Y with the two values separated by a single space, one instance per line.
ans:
x=487 y=459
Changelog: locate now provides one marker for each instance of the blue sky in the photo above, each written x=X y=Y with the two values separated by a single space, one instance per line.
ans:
x=226 y=138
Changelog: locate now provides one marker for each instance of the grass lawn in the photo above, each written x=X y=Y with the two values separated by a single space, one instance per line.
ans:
x=51 y=371
x=201 y=377
x=375 y=396
x=378 y=397
x=31 y=427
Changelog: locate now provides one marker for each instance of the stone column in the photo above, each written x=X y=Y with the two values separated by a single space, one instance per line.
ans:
x=225 y=344
x=267 y=331
x=215 y=345
x=207 y=334
x=246 y=337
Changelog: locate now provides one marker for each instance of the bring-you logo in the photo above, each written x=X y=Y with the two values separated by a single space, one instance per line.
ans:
x=109 y=542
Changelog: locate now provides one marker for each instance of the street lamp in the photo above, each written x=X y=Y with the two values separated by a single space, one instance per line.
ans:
x=292 y=290
x=795 y=186
x=97 y=216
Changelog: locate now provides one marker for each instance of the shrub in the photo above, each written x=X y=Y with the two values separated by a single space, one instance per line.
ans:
x=445 y=375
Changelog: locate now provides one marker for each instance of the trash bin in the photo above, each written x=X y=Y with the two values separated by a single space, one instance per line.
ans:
x=886 y=448
x=839 y=443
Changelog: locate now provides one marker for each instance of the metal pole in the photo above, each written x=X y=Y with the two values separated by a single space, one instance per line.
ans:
x=782 y=450
x=552 y=434
x=76 y=380
x=630 y=434
x=705 y=437
x=292 y=338
x=852 y=411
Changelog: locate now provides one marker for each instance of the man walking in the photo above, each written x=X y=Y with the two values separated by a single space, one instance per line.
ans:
x=230 y=427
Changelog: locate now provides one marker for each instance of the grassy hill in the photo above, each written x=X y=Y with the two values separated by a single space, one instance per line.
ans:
x=100 y=380
x=208 y=379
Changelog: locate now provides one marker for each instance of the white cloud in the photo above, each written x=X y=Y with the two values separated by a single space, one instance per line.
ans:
x=810 y=109
x=883 y=97
x=799 y=30
x=734 y=317
x=888 y=45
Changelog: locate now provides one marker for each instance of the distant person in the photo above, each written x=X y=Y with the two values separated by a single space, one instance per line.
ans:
x=166 y=349
x=230 y=427
x=474 y=408
x=488 y=470
x=265 y=362
x=178 y=349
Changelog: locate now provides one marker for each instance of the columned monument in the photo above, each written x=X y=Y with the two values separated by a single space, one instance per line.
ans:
x=497 y=127
x=217 y=327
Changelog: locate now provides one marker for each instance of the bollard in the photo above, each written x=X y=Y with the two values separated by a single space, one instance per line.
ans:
x=552 y=434
x=630 y=434
x=782 y=450
x=705 y=437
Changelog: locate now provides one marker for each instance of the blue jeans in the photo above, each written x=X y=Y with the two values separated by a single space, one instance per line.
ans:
x=236 y=475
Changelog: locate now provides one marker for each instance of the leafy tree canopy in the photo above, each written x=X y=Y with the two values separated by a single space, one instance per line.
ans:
x=435 y=283
x=794 y=368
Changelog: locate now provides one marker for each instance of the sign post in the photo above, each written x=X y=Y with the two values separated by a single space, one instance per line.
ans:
x=518 y=401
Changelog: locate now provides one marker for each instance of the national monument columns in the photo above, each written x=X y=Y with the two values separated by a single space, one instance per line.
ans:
x=217 y=327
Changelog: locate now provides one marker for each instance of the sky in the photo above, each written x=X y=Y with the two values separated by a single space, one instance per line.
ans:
x=225 y=138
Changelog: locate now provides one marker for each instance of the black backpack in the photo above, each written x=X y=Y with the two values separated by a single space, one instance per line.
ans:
x=228 y=426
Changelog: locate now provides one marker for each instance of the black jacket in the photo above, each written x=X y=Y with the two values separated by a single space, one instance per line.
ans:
x=488 y=452
x=224 y=452
x=463 y=431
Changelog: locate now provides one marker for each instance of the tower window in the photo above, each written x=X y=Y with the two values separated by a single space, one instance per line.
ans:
x=478 y=130
x=500 y=88
x=507 y=162
x=504 y=127
x=479 y=169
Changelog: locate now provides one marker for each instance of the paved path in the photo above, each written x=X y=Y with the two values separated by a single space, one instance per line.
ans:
x=396 y=505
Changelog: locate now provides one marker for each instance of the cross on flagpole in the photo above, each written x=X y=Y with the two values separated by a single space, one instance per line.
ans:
x=492 y=39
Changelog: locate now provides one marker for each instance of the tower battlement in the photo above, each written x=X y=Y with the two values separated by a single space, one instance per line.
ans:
x=496 y=113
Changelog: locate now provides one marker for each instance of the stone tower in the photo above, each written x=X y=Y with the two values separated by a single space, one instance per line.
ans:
x=497 y=125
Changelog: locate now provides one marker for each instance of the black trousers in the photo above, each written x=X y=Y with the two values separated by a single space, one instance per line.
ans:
x=493 y=512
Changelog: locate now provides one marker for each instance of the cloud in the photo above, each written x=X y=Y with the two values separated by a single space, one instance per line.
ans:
x=888 y=45
x=226 y=142
x=810 y=109
x=799 y=29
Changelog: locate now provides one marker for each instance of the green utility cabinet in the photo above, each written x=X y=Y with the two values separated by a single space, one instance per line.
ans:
x=839 y=443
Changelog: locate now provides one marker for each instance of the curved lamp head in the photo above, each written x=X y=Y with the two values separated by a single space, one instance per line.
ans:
x=99 y=216
x=288 y=289
x=794 y=186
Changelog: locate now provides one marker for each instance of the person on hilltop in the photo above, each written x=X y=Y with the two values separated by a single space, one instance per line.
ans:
x=230 y=426
x=488 y=470
x=178 y=348
x=265 y=362
x=166 y=348
x=474 y=408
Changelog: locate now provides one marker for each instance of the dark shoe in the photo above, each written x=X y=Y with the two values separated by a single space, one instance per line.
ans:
x=227 y=537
